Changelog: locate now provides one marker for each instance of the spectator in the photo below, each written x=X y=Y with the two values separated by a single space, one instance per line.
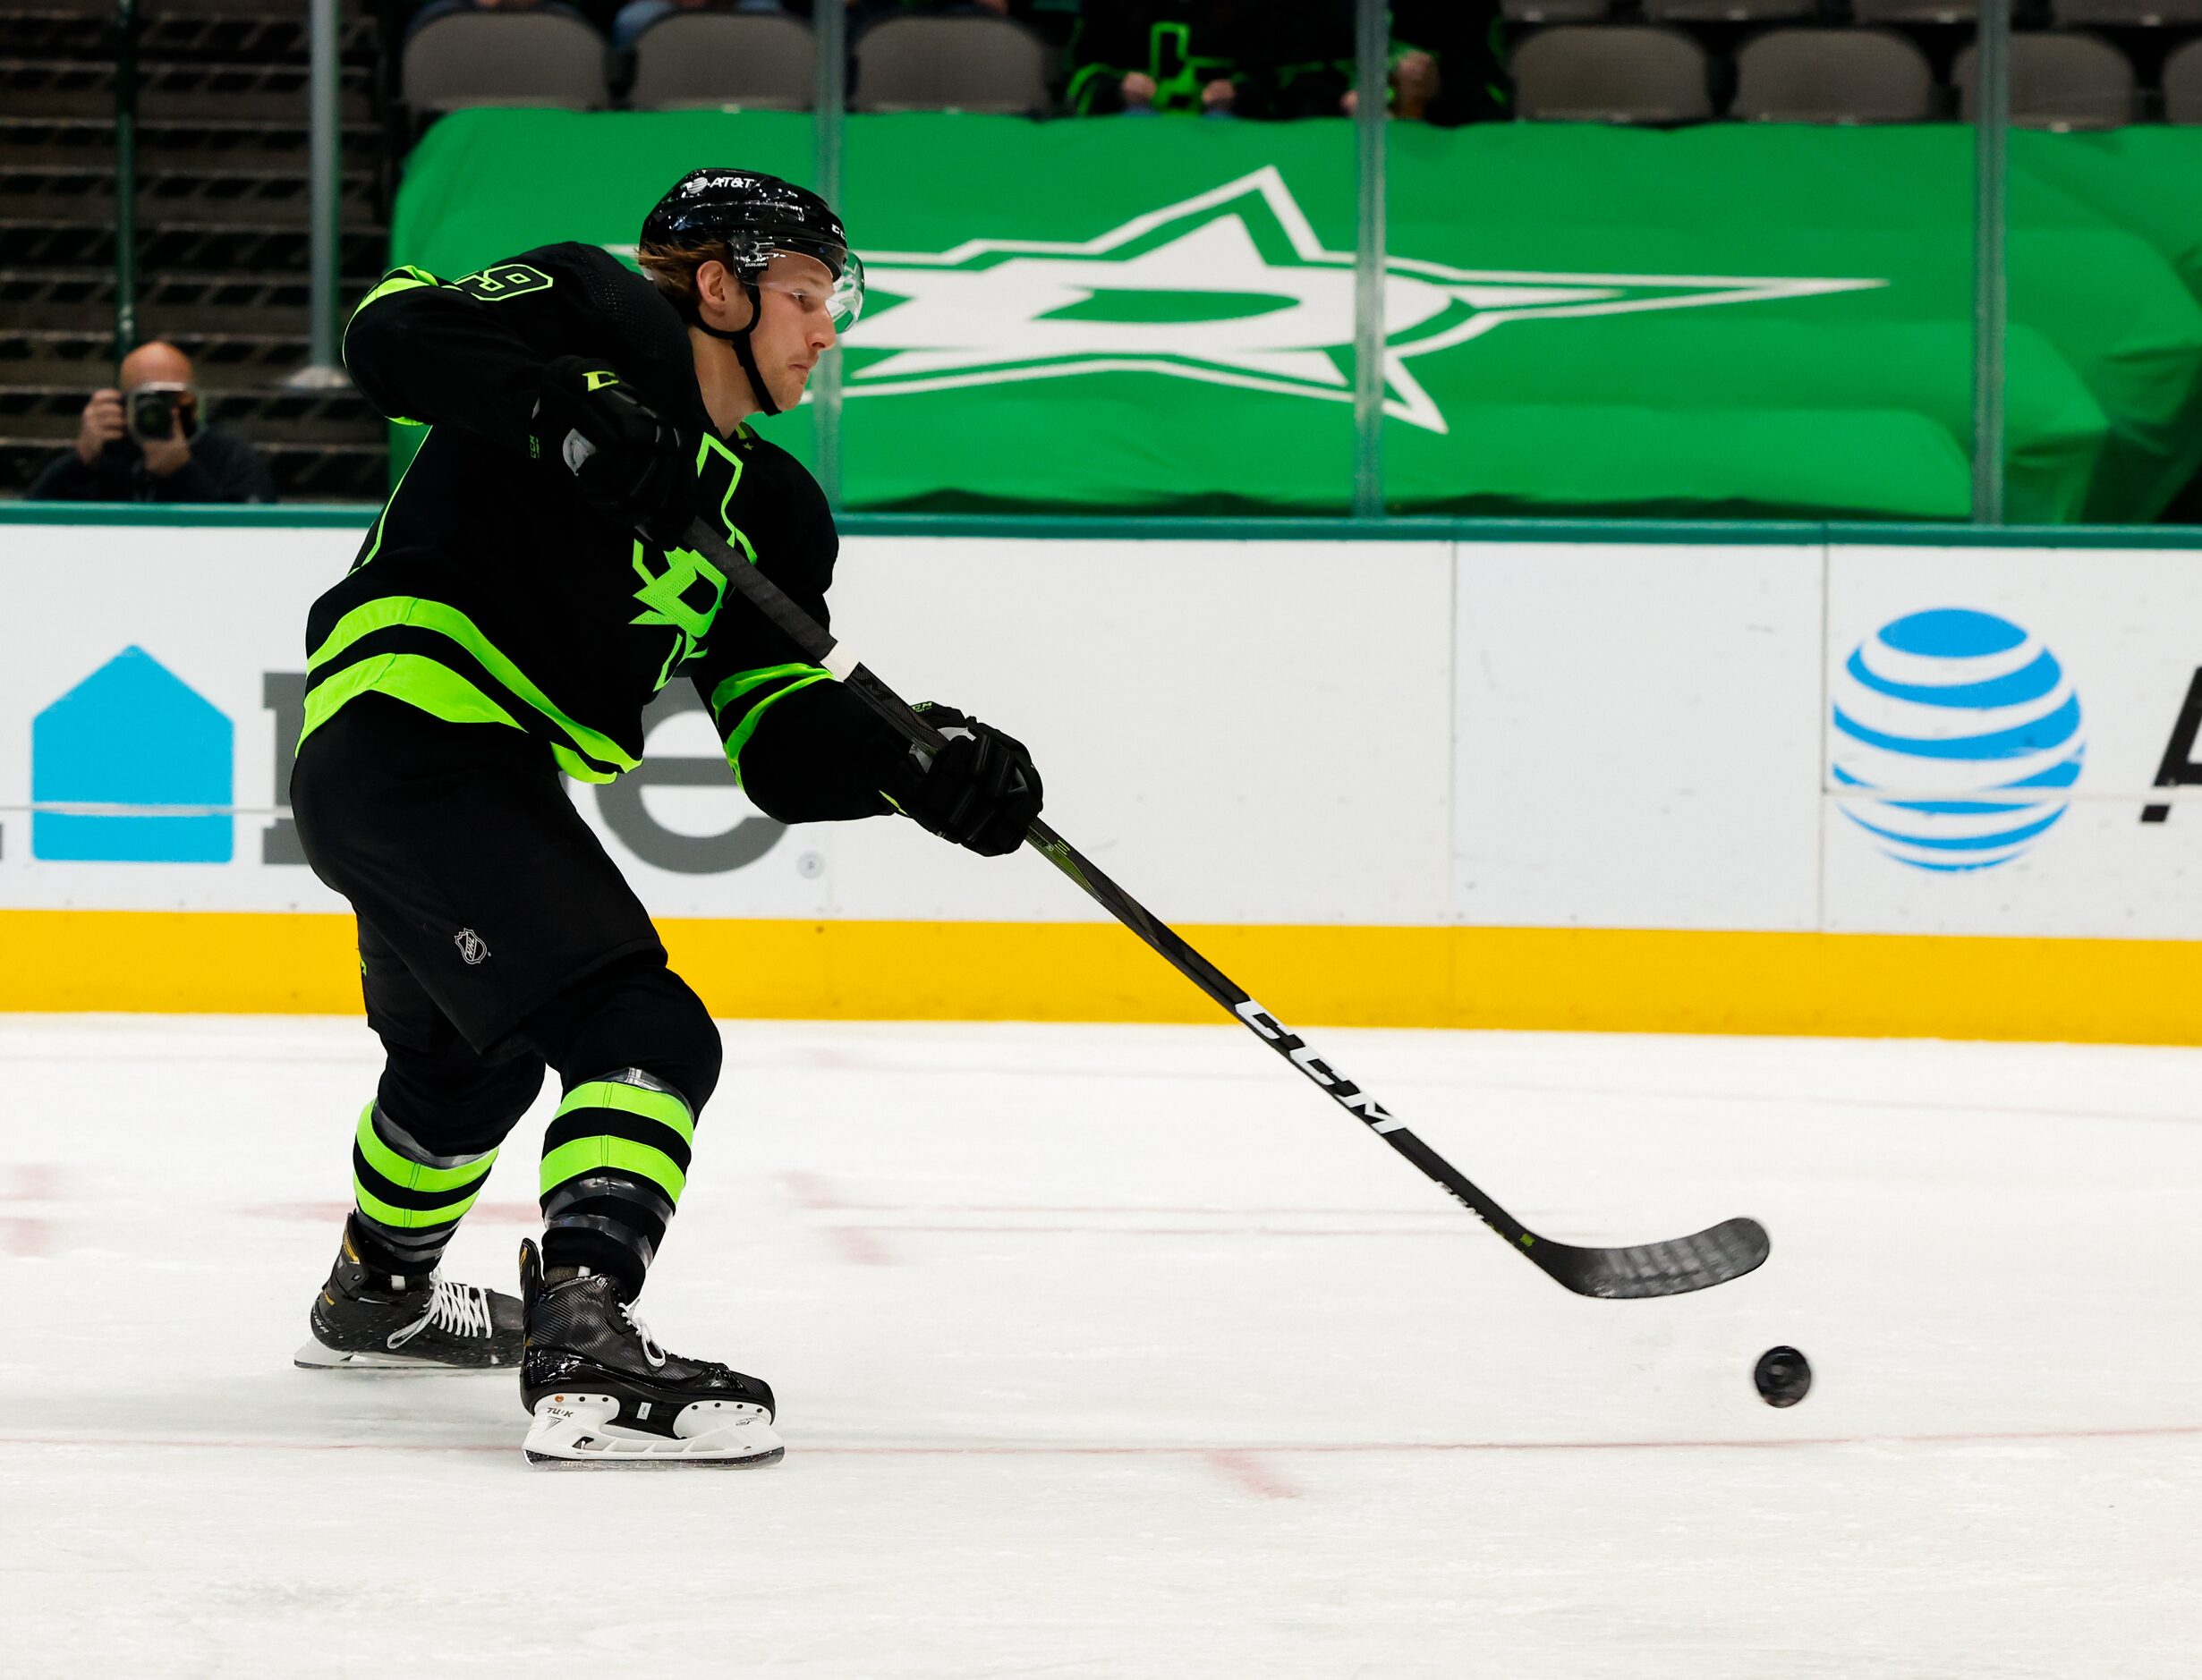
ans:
x=145 y=442
x=1134 y=56
x=1232 y=57
x=1310 y=62
x=637 y=16
x=1448 y=61
x=1310 y=70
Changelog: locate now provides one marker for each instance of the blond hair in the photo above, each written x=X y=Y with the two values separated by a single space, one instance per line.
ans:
x=672 y=268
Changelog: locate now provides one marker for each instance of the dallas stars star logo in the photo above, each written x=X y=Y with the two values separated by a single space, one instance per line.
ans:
x=1230 y=287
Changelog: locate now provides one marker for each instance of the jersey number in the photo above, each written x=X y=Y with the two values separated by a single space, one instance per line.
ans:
x=505 y=280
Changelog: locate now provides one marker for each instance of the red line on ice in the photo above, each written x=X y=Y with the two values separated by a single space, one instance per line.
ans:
x=31 y=1235
x=814 y=1191
x=1249 y=1473
x=859 y=1245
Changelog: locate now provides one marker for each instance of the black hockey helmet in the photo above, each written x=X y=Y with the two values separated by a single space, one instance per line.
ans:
x=758 y=217
x=756 y=214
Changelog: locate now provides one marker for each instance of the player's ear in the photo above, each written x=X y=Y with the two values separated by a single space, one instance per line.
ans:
x=718 y=291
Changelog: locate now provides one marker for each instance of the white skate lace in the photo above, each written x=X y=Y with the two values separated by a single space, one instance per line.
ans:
x=651 y=1349
x=461 y=1309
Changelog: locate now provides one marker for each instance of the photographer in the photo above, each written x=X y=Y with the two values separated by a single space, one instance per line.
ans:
x=145 y=442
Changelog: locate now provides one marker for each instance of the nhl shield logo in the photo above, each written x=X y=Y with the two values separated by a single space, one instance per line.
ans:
x=472 y=951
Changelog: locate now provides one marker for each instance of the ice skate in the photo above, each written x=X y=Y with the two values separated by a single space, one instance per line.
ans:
x=368 y=1320
x=603 y=1393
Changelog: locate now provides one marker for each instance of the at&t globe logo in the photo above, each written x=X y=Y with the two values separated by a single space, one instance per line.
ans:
x=1965 y=728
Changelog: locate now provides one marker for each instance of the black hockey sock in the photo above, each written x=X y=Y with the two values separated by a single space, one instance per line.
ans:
x=614 y=1161
x=409 y=1200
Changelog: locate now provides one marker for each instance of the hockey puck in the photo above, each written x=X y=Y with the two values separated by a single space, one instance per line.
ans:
x=1783 y=1376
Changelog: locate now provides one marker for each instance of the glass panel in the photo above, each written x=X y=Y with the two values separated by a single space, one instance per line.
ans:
x=1369 y=104
x=1143 y=303
x=1982 y=74
x=1712 y=260
x=2102 y=361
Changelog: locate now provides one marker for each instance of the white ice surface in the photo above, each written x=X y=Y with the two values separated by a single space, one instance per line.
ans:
x=1120 y=1352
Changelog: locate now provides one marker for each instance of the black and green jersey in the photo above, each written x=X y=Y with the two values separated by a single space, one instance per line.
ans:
x=1281 y=61
x=490 y=593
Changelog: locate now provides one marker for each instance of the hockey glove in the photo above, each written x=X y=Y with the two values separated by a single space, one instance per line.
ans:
x=980 y=790
x=613 y=447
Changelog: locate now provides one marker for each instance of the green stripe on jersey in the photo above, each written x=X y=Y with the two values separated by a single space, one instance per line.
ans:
x=396 y=611
x=383 y=519
x=746 y=681
x=415 y=679
x=402 y=279
x=743 y=683
x=405 y=277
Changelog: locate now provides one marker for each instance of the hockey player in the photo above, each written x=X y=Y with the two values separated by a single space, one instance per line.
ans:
x=523 y=595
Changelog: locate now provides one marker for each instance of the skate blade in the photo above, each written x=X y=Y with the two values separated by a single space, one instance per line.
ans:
x=577 y=1432
x=313 y=1356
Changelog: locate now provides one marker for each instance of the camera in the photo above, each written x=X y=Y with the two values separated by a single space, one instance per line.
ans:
x=153 y=409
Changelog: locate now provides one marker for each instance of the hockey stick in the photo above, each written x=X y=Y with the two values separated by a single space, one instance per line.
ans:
x=1712 y=1256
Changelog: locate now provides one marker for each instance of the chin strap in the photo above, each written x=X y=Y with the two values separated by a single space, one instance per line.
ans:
x=742 y=353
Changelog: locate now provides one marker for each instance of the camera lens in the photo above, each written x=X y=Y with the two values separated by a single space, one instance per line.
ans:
x=152 y=413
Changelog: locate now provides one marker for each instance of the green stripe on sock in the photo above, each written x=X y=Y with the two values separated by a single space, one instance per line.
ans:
x=408 y=1175
x=661 y=1106
x=587 y=1155
x=408 y=1219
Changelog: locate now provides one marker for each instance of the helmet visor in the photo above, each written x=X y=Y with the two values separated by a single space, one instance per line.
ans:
x=815 y=286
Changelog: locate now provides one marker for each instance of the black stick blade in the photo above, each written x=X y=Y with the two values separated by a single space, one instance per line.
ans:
x=1716 y=1255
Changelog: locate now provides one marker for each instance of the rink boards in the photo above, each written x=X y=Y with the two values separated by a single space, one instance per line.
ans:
x=1766 y=779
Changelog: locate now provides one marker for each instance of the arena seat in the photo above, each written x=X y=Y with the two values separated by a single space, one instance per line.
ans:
x=2058 y=81
x=500 y=58
x=763 y=62
x=1813 y=75
x=1628 y=74
x=951 y=63
x=2183 y=85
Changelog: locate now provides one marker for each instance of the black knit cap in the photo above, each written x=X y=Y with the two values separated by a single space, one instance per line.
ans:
x=756 y=214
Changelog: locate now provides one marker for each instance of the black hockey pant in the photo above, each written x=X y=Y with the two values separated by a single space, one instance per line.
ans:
x=496 y=938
